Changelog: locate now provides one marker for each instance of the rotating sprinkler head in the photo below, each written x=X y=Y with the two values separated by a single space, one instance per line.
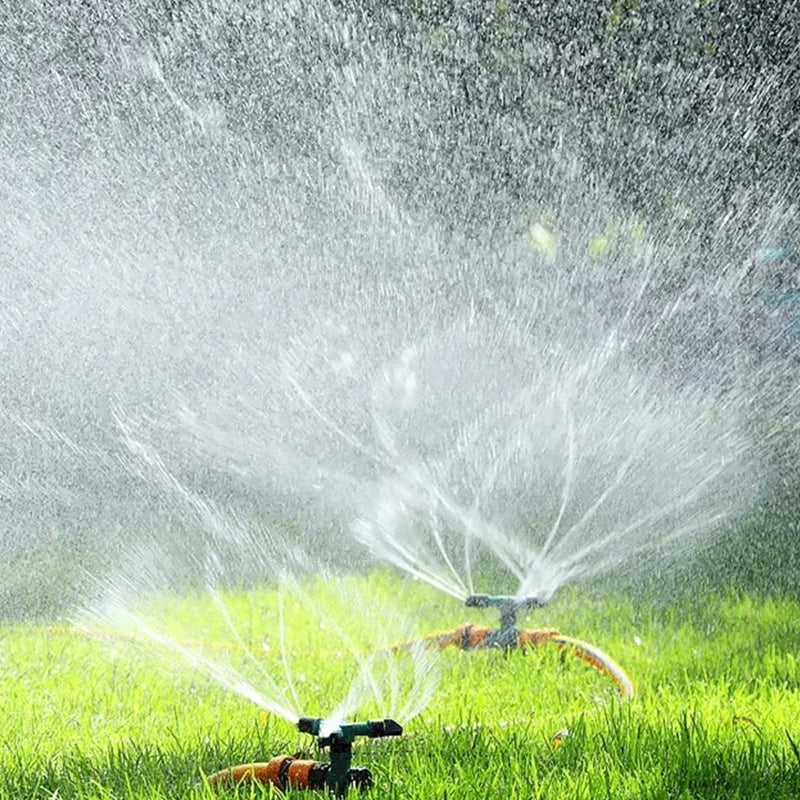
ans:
x=506 y=635
x=337 y=775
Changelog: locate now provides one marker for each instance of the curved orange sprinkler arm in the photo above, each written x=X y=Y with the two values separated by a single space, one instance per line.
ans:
x=465 y=637
x=535 y=637
x=441 y=639
x=455 y=638
x=600 y=661
x=468 y=637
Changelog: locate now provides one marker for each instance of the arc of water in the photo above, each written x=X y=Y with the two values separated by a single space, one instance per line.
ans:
x=154 y=68
x=425 y=682
x=211 y=520
x=591 y=512
x=426 y=480
x=228 y=677
x=284 y=660
x=569 y=474
x=394 y=685
x=504 y=410
x=343 y=636
x=468 y=563
x=655 y=514
x=404 y=558
x=389 y=441
x=221 y=607
x=353 y=700
x=423 y=685
x=506 y=549
x=437 y=537
x=329 y=423
x=474 y=429
x=201 y=507
x=224 y=674
x=345 y=482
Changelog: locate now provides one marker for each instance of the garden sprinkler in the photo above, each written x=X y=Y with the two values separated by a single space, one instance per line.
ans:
x=336 y=776
x=508 y=637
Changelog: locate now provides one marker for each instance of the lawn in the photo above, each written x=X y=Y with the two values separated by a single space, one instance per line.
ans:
x=93 y=709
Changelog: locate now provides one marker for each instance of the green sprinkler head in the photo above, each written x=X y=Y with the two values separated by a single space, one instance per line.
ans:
x=339 y=775
x=506 y=635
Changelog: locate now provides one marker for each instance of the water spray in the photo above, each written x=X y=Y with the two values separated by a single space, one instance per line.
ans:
x=337 y=775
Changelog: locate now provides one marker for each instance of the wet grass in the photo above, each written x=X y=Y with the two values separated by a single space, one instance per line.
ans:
x=717 y=712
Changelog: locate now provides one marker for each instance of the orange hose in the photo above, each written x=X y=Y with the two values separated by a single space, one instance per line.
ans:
x=261 y=772
x=299 y=773
x=282 y=772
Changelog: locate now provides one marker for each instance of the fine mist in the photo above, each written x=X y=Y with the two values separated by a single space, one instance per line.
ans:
x=351 y=276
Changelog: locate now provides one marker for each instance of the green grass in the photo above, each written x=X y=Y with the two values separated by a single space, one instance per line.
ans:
x=717 y=712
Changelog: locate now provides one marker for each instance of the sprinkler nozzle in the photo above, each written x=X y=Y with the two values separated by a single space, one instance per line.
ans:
x=348 y=731
x=503 y=601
